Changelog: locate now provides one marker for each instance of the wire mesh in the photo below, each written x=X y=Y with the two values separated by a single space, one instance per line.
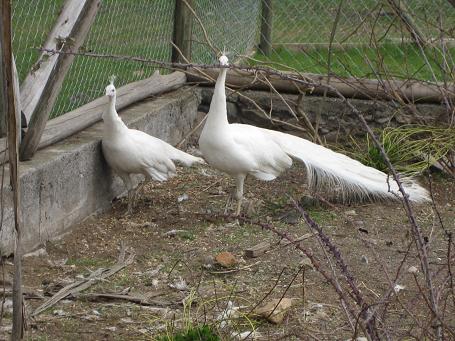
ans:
x=139 y=28
x=231 y=25
x=31 y=21
x=361 y=38
x=365 y=38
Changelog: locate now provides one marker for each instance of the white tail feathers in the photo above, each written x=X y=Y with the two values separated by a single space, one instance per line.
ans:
x=184 y=158
x=348 y=178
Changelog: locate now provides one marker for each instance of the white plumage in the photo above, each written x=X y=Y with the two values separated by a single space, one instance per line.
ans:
x=240 y=150
x=130 y=151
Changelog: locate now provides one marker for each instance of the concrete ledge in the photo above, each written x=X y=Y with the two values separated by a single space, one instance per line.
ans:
x=336 y=120
x=68 y=181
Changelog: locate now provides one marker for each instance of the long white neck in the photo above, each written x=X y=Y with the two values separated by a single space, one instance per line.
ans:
x=217 y=115
x=112 y=122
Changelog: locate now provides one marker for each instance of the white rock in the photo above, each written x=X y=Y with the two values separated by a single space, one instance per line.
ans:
x=413 y=269
x=183 y=197
x=397 y=288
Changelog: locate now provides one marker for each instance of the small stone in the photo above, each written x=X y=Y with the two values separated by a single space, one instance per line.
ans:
x=112 y=329
x=306 y=263
x=364 y=259
x=307 y=201
x=183 y=197
x=59 y=312
x=383 y=120
x=226 y=259
x=351 y=213
x=397 y=288
x=413 y=270
x=279 y=308
x=179 y=284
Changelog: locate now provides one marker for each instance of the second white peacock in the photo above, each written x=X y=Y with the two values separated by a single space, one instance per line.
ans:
x=130 y=151
x=240 y=150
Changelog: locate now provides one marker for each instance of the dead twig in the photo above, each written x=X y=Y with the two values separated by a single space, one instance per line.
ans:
x=81 y=285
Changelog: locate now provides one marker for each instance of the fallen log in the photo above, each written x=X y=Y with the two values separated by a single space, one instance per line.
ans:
x=408 y=90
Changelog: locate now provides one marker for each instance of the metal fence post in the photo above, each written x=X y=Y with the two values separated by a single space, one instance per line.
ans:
x=183 y=23
x=265 y=44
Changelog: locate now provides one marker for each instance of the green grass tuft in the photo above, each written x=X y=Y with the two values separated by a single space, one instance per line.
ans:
x=199 y=333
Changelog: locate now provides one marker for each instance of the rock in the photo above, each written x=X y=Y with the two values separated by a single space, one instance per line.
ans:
x=38 y=253
x=383 y=120
x=291 y=217
x=58 y=312
x=351 y=213
x=172 y=233
x=413 y=270
x=226 y=259
x=126 y=320
x=179 y=284
x=307 y=201
x=278 y=313
x=397 y=288
x=306 y=263
x=183 y=197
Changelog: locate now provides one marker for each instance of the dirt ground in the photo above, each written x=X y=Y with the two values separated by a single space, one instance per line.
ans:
x=176 y=231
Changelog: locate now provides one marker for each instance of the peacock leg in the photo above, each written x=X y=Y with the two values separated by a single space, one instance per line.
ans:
x=129 y=186
x=228 y=203
x=138 y=191
x=238 y=195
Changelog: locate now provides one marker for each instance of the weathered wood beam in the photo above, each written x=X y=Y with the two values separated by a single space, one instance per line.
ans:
x=74 y=121
x=11 y=107
x=409 y=91
x=33 y=86
x=52 y=69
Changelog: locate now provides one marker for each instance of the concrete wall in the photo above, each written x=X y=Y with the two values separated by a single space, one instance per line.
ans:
x=336 y=121
x=70 y=180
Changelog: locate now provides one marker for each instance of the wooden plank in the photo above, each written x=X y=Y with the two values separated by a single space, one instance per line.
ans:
x=3 y=125
x=55 y=80
x=39 y=76
x=257 y=250
x=83 y=117
x=74 y=121
x=265 y=44
x=183 y=23
x=83 y=284
x=409 y=91
x=12 y=110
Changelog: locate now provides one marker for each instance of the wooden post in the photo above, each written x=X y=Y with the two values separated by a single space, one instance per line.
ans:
x=183 y=24
x=52 y=70
x=265 y=44
x=12 y=110
x=3 y=125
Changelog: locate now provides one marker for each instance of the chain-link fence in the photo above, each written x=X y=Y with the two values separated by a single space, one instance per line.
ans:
x=140 y=28
x=373 y=39
x=361 y=38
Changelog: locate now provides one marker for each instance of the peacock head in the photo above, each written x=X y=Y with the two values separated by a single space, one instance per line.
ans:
x=224 y=60
x=110 y=89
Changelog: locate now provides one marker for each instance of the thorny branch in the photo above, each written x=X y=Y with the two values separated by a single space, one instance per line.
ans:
x=310 y=84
